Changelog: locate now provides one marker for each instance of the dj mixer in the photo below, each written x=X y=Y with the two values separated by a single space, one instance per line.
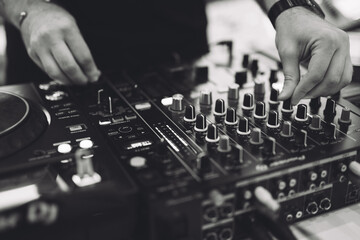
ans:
x=180 y=152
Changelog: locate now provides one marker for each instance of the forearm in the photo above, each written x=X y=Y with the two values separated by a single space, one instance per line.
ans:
x=11 y=9
x=266 y=4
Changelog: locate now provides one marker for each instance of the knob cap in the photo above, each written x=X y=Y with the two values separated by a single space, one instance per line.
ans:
x=269 y=146
x=330 y=110
x=224 y=144
x=241 y=78
x=273 y=76
x=231 y=117
x=256 y=138
x=206 y=98
x=259 y=90
x=287 y=106
x=315 y=104
x=177 y=103
x=189 y=114
x=273 y=120
x=220 y=108
x=301 y=139
x=200 y=123
x=286 y=130
x=301 y=113
x=315 y=123
x=243 y=127
x=260 y=110
x=212 y=135
x=345 y=116
x=248 y=103
x=233 y=92
x=274 y=96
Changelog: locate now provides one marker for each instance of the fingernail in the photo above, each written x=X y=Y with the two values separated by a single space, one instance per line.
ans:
x=95 y=77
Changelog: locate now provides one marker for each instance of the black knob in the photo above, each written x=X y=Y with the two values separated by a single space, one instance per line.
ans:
x=269 y=146
x=243 y=127
x=220 y=107
x=260 y=110
x=245 y=61
x=241 y=78
x=315 y=104
x=301 y=139
x=301 y=113
x=345 y=116
x=212 y=135
x=287 y=107
x=254 y=67
x=231 y=117
x=330 y=110
x=273 y=76
x=273 y=120
x=203 y=163
x=315 y=123
x=248 y=103
x=286 y=130
x=200 y=124
x=256 y=138
x=189 y=114
x=274 y=96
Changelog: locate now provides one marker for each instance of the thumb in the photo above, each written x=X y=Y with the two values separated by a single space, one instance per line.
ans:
x=290 y=62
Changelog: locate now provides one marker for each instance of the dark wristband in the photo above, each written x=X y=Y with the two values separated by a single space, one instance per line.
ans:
x=283 y=5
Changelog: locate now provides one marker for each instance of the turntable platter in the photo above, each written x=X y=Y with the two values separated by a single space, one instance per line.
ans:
x=21 y=123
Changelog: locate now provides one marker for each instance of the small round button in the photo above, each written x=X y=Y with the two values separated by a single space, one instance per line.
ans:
x=86 y=144
x=137 y=162
x=64 y=148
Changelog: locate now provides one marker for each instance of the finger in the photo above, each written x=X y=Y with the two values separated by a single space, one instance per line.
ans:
x=318 y=66
x=290 y=61
x=332 y=78
x=52 y=69
x=67 y=63
x=82 y=55
x=347 y=75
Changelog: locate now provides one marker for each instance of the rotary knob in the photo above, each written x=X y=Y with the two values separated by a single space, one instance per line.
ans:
x=330 y=110
x=241 y=78
x=330 y=131
x=200 y=123
x=231 y=117
x=273 y=120
x=212 y=135
x=189 y=116
x=315 y=123
x=301 y=113
x=245 y=61
x=287 y=108
x=344 y=120
x=243 y=127
x=315 y=104
x=205 y=98
x=220 y=111
x=224 y=144
x=248 y=103
x=259 y=90
x=233 y=95
x=286 y=130
x=177 y=103
x=260 y=113
x=254 y=67
x=273 y=76
x=203 y=163
x=273 y=102
x=256 y=138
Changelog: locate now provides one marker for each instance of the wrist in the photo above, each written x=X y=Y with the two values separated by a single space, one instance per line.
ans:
x=286 y=16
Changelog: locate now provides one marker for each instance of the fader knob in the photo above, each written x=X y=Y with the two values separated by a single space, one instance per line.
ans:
x=205 y=98
x=256 y=138
x=301 y=139
x=301 y=113
x=248 y=103
x=345 y=116
x=224 y=144
x=315 y=123
x=189 y=114
x=286 y=130
x=260 y=110
x=269 y=146
x=177 y=103
x=243 y=127
x=231 y=117
x=212 y=135
x=315 y=104
x=273 y=120
x=200 y=123
x=233 y=92
x=329 y=111
x=241 y=78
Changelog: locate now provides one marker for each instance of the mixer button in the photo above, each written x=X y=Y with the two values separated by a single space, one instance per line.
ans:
x=138 y=162
x=286 y=130
x=200 y=123
x=64 y=148
x=205 y=98
x=256 y=138
x=56 y=96
x=273 y=120
x=315 y=123
x=315 y=104
x=212 y=135
x=231 y=117
x=301 y=113
x=330 y=110
x=260 y=110
x=189 y=114
x=243 y=126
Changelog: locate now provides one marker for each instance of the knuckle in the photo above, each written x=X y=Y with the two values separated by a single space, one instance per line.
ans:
x=70 y=70
x=86 y=62
x=332 y=82
x=53 y=74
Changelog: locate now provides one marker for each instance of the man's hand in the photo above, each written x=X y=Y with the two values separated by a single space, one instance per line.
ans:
x=55 y=44
x=303 y=37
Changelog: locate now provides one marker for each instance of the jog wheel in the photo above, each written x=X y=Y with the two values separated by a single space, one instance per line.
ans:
x=21 y=123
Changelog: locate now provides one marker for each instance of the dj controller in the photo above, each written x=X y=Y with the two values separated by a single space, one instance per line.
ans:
x=187 y=152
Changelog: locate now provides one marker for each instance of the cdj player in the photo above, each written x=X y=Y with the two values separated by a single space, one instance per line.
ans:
x=173 y=153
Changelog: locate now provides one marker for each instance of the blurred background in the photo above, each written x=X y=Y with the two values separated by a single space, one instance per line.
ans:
x=245 y=23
